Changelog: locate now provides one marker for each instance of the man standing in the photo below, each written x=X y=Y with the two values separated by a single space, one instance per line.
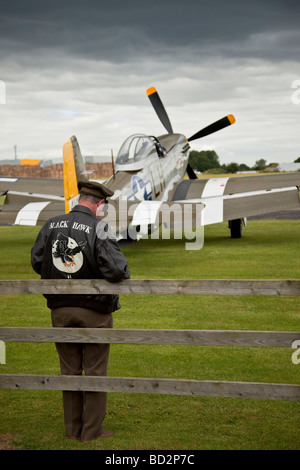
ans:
x=79 y=246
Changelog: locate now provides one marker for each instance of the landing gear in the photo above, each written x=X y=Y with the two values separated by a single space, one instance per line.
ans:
x=236 y=227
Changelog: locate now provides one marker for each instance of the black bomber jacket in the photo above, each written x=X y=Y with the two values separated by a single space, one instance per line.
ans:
x=79 y=246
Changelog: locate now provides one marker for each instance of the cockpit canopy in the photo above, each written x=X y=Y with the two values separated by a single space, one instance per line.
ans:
x=136 y=148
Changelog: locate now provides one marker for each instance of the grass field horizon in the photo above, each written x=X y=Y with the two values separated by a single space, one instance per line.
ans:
x=33 y=420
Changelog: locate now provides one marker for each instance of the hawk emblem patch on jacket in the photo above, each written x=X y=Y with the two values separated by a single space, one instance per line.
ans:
x=67 y=254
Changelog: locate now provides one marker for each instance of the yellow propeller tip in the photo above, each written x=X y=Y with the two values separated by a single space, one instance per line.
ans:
x=151 y=90
x=231 y=118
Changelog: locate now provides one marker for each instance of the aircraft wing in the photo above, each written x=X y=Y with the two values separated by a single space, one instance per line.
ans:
x=227 y=199
x=53 y=186
x=30 y=201
x=31 y=213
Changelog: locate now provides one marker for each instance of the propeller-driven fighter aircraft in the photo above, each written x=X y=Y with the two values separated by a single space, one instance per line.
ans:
x=148 y=181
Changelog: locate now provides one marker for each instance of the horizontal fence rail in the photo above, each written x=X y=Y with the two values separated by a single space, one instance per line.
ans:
x=153 y=286
x=268 y=391
x=282 y=339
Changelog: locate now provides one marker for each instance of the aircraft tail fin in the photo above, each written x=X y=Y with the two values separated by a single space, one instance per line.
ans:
x=73 y=171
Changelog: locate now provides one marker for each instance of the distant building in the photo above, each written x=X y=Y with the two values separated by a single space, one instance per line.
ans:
x=97 y=167
x=51 y=161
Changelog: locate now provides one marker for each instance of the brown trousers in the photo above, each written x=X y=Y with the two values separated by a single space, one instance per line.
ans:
x=84 y=412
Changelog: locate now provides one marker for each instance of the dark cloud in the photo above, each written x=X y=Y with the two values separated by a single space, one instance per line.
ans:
x=82 y=67
x=122 y=29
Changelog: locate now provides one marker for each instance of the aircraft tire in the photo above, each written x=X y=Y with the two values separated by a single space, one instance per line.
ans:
x=236 y=228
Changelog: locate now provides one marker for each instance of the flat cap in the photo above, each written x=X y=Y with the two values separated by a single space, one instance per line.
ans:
x=92 y=188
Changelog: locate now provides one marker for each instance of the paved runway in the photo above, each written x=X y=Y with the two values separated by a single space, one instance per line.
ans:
x=291 y=214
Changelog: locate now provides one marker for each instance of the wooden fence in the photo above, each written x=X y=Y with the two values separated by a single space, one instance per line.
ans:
x=271 y=391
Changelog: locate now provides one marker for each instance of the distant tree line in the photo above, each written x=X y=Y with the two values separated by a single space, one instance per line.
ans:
x=209 y=160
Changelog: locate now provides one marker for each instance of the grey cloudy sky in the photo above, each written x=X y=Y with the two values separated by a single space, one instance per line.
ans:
x=83 y=67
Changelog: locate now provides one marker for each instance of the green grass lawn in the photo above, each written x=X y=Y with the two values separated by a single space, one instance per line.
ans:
x=268 y=250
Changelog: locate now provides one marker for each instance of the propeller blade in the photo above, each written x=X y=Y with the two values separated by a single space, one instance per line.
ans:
x=191 y=174
x=159 y=108
x=216 y=126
